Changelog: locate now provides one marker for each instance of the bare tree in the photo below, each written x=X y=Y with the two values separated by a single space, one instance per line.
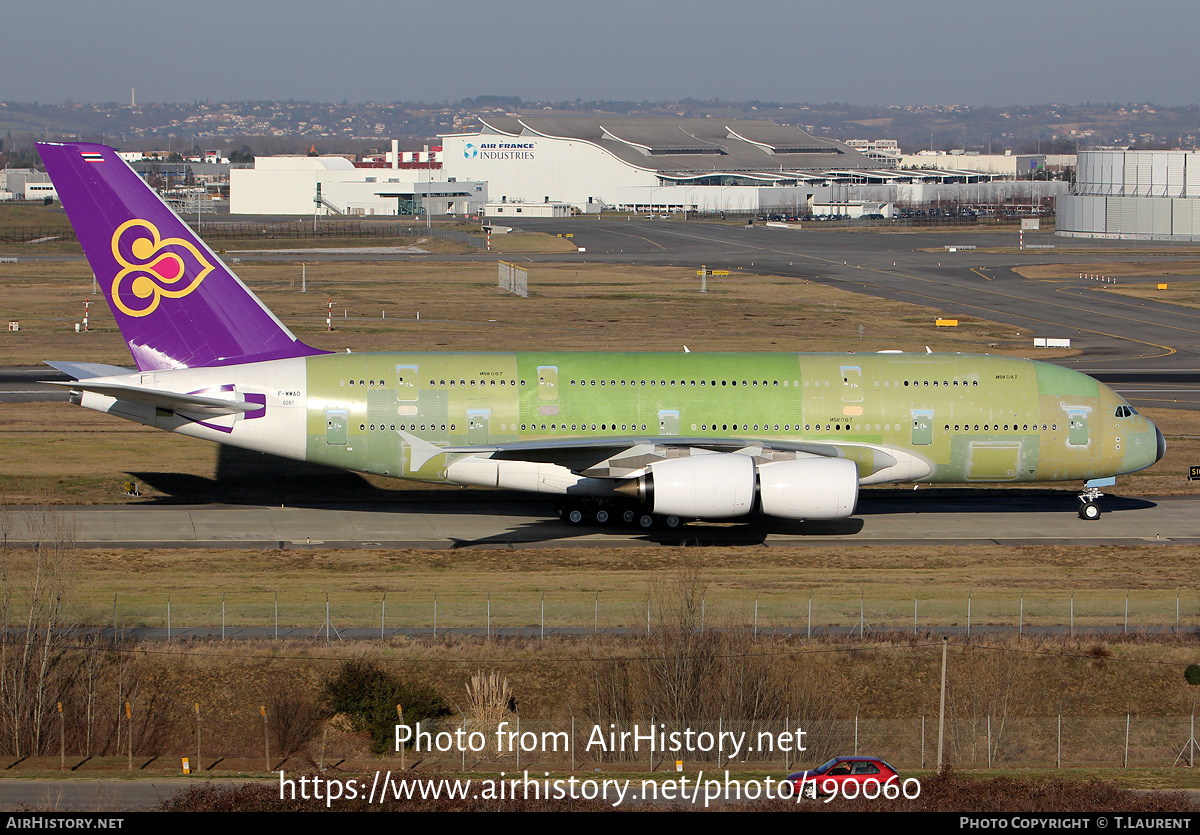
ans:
x=34 y=582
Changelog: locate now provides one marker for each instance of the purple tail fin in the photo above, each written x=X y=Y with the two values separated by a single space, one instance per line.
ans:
x=177 y=304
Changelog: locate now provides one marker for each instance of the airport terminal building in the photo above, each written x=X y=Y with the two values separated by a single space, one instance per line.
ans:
x=631 y=164
x=1136 y=195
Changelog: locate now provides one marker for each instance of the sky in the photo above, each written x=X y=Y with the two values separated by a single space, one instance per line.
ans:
x=855 y=51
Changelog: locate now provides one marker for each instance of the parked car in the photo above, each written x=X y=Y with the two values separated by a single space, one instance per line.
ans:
x=827 y=778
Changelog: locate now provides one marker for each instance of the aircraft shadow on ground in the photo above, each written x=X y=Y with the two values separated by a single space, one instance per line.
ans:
x=885 y=501
x=245 y=477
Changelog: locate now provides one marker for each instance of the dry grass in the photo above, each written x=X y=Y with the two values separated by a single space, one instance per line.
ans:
x=1183 y=293
x=1110 y=268
x=13 y=214
x=609 y=587
x=571 y=307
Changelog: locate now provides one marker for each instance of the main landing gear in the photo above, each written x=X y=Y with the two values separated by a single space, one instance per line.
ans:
x=1088 y=508
x=605 y=513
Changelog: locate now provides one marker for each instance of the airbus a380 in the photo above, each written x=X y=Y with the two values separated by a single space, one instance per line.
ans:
x=656 y=438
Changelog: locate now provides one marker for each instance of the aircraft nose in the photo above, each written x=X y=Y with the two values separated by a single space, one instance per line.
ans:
x=1162 y=445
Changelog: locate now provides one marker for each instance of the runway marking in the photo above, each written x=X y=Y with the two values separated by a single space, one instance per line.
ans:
x=981 y=275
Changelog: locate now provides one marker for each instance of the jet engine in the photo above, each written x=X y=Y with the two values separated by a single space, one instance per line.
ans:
x=808 y=488
x=723 y=485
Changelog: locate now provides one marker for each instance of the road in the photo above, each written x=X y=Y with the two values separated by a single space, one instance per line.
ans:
x=885 y=516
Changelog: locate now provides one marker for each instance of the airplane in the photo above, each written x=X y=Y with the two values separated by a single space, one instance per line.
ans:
x=654 y=439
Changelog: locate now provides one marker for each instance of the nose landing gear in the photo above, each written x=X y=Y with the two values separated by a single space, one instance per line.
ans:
x=1088 y=508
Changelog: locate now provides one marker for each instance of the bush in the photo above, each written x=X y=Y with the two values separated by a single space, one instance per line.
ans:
x=1192 y=674
x=367 y=695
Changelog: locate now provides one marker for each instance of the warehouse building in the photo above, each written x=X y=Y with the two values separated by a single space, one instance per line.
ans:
x=333 y=185
x=1137 y=195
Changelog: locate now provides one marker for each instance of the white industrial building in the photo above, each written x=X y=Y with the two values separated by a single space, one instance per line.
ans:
x=333 y=185
x=699 y=165
x=654 y=164
x=15 y=183
x=1139 y=195
x=524 y=210
x=1001 y=165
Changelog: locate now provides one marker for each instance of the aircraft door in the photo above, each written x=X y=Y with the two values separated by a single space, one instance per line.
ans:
x=547 y=389
x=407 y=383
x=1077 y=433
x=336 y=421
x=548 y=383
x=852 y=391
x=477 y=426
x=668 y=422
x=922 y=427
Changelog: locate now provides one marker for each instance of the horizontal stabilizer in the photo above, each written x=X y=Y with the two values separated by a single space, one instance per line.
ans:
x=86 y=370
x=175 y=401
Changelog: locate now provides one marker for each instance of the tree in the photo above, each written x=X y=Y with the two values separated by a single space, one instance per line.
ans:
x=367 y=695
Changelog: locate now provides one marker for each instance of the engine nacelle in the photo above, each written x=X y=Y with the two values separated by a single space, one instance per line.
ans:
x=808 y=488
x=702 y=486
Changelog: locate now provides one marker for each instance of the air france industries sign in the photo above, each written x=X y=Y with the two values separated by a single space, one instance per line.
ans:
x=499 y=150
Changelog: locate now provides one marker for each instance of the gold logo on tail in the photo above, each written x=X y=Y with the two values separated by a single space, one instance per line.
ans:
x=153 y=267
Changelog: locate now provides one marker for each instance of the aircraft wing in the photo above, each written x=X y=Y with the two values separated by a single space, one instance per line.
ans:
x=175 y=401
x=626 y=456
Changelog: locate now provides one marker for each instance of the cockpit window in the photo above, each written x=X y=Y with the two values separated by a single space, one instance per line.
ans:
x=1125 y=411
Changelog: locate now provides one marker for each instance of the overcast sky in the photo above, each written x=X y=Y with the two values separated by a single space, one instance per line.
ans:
x=859 y=51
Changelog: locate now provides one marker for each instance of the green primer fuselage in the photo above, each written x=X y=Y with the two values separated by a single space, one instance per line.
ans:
x=971 y=418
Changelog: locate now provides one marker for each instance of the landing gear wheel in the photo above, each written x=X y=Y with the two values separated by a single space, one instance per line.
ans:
x=1088 y=509
x=645 y=521
x=602 y=516
x=573 y=514
x=672 y=521
x=629 y=517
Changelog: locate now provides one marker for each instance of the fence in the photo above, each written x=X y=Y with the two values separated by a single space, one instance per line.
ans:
x=631 y=745
x=363 y=614
x=514 y=279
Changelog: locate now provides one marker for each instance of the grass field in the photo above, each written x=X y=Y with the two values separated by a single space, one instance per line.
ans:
x=610 y=587
x=1111 y=269
x=571 y=307
x=1183 y=293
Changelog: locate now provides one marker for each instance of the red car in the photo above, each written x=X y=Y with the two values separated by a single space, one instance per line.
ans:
x=829 y=778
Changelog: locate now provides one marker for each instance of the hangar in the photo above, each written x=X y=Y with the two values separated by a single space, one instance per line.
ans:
x=631 y=164
x=1138 y=195
x=695 y=165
